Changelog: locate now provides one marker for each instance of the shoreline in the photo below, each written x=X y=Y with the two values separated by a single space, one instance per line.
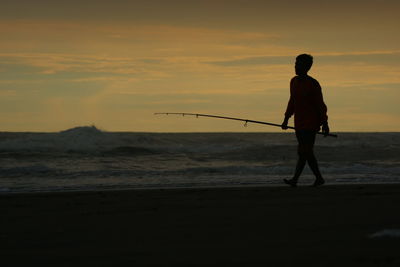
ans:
x=237 y=226
x=146 y=188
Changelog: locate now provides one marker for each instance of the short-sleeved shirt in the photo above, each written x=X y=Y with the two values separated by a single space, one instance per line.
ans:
x=306 y=103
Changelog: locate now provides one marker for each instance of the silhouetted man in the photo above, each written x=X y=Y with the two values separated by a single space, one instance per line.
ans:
x=307 y=105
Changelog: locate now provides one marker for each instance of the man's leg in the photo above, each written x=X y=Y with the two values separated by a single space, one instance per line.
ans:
x=301 y=162
x=306 y=140
x=313 y=163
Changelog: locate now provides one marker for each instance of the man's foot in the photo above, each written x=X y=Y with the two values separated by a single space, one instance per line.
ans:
x=291 y=182
x=318 y=182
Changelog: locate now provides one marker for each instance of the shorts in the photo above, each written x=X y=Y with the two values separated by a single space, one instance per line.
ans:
x=306 y=137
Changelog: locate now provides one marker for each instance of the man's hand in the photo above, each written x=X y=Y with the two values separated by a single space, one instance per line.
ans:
x=285 y=123
x=325 y=128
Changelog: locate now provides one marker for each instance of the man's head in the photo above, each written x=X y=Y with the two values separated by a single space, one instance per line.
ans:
x=303 y=64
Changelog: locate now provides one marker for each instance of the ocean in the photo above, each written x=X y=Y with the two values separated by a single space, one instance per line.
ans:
x=86 y=158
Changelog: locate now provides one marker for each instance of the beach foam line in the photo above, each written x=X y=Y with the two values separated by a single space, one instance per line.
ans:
x=393 y=233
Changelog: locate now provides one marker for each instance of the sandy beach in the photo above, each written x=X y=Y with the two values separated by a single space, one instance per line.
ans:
x=243 y=226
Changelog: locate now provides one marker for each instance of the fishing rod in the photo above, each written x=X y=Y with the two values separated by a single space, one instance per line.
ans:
x=231 y=118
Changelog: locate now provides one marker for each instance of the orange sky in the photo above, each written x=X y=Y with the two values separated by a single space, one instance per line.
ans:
x=113 y=63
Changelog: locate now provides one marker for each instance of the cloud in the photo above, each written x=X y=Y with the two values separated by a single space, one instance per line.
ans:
x=372 y=58
x=85 y=33
x=370 y=86
x=361 y=120
x=380 y=58
x=260 y=60
x=7 y=93
x=77 y=68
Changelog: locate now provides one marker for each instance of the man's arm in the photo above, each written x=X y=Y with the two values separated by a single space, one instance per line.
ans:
x=289 y=109
x=322 y=109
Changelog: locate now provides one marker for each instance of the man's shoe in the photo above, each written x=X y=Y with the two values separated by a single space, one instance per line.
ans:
x=318 y=182
x=291 y=182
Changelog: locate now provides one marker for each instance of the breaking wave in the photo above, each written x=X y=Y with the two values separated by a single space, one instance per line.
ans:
x=88 y=140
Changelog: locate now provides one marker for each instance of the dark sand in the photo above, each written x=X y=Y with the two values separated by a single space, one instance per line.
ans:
x=269 y=226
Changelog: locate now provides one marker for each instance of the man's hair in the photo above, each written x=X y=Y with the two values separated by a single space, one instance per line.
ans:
x=305 y=59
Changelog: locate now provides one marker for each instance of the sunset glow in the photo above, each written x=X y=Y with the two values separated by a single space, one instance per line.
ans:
x=114 y=63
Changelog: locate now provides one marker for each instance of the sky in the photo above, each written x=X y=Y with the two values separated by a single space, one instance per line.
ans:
x=113 y=64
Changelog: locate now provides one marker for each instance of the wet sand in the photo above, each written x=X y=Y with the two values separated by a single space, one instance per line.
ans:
x=246 y=226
